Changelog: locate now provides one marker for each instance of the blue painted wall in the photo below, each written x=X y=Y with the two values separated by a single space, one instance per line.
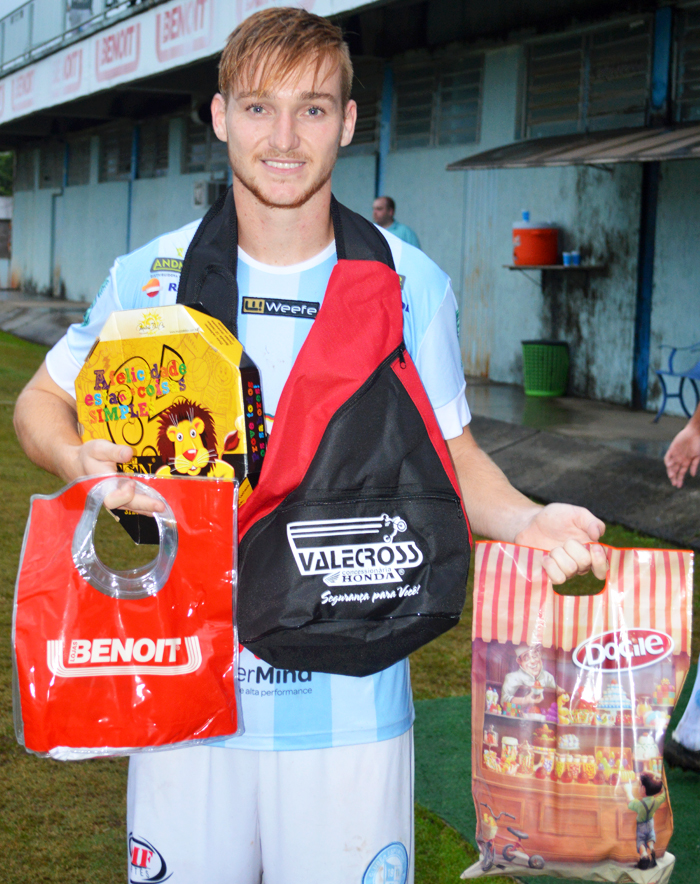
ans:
x=464 y=221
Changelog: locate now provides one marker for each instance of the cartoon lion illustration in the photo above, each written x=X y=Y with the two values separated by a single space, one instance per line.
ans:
x=187 y=443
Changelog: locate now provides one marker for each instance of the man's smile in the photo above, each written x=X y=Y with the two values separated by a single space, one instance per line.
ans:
x=284 y=164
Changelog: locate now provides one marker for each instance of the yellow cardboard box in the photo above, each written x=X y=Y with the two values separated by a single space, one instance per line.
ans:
x=175 y=385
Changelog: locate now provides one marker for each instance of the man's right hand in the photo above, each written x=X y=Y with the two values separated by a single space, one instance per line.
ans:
x=47 y=428
x=97 y=457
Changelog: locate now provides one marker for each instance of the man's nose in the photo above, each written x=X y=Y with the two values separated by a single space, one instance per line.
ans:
x=284 y=136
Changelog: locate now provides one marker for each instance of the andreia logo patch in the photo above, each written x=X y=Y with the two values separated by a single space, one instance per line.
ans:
x=352 y=552
x=167 y=265
x=145 y=862
x=280 y=307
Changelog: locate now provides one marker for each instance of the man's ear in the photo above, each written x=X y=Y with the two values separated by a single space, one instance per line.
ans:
x=349 y=120
x=218 y=116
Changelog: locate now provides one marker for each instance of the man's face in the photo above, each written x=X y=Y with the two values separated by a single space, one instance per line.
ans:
x=283 y=144
x=381 y=213
x=531 y=662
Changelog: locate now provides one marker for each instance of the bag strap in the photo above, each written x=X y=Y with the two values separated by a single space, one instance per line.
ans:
x=208 y=277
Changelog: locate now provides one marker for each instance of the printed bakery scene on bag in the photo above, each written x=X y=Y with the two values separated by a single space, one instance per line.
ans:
x=571 y=698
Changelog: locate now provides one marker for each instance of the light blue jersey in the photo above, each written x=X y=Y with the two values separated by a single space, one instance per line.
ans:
x=284 y=709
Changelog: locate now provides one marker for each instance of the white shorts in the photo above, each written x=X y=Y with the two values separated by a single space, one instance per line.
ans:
x=237 y=816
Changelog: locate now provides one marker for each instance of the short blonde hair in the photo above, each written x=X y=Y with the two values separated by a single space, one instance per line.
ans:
x=271 y=43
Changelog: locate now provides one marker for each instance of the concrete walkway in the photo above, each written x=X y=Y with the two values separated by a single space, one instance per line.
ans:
x=605 y=457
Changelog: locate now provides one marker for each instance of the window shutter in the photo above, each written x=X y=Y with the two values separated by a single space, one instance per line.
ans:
x=153 y=148
x=687 y=99
x=459 y=101
x=79 y=162
x=596 y=80
x=115 y=154
x=554 y=87
x=24 y=170
x=51 y=157
x=620 y=72
x=367 y=92
x=414 y=96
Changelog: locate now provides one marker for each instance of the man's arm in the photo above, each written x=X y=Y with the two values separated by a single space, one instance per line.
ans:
x=46 y=424
x=684 y=452
x=498 y=511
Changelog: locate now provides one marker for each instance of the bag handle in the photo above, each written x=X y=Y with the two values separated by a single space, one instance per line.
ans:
x=137 y=583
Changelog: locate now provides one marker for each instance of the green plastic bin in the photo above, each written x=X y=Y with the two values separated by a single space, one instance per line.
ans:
x=545 y=367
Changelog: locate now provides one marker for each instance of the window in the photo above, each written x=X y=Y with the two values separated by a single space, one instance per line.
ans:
x=367 y=92
x=437 y=102
x=597 y=80
x=153 y=148
x=203 y=151
x=5 y=239
x=115 y=154
x=24 y=170
x=78 y=162
x=51 y=159
x=687 y=87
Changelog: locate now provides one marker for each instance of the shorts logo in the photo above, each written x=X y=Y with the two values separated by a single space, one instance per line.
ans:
x=167 y=265
x=345 y=551
x=280 y=307
x=145 y=862
x=389 y=866
x=152 y=287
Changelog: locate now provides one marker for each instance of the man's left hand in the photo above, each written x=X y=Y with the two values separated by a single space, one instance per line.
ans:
x=569 y=533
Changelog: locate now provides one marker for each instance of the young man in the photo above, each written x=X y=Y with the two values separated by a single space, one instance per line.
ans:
x=320 y=785
x=383 y=211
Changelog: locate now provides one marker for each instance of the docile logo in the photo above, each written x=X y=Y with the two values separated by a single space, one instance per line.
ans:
x=623 y=649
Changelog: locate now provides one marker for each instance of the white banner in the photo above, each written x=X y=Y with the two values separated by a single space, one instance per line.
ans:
x=151 y=42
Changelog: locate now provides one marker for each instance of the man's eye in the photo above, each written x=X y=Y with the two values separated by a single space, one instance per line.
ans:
x=315 y=111
x=256 y=108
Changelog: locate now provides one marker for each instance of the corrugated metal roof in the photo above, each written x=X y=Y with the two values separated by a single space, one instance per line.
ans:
x=641 y=145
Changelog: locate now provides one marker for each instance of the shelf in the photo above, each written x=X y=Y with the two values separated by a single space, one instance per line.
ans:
x=603 y=727
x=585 y=267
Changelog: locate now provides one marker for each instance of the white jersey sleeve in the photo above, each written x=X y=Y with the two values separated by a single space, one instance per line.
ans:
x=430 y=332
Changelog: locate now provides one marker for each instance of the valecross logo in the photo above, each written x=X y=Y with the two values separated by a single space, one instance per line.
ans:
x=112 y=656
x=337 y=549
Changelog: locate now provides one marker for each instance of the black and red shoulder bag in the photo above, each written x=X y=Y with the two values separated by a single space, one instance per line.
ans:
x=354 y=546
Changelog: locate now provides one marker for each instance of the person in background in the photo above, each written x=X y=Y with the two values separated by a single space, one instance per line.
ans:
x=383 y=209
x=682 y=748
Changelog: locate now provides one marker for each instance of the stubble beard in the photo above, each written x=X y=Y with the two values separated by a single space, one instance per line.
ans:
x=250 y=184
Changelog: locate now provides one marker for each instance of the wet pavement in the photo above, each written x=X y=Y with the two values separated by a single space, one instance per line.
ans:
x=594 y=454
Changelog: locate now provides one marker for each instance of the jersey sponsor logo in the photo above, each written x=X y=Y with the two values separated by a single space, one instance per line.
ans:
x=152 y=287
x=389 y=866
x=633 y=648
x=330 y=547
x=280 y=307
x=112 y=656
x=167 y=265
x=145 y=862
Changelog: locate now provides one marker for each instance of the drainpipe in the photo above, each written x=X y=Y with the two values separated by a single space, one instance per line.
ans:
x=55 y=283
x=651 y=175
x=132 y=177
x=384 y=130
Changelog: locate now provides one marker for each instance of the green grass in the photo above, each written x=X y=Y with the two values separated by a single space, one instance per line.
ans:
x=65 y=822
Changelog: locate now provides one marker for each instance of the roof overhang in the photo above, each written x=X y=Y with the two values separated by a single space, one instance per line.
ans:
x=640 y=145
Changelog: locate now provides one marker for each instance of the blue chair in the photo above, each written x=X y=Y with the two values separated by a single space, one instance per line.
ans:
x=690 y=374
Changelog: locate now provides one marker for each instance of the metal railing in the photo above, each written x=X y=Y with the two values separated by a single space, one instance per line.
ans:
x=21 y=38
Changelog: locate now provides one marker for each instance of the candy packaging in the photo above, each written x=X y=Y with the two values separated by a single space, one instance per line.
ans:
x=571 y=698
x=114 y=662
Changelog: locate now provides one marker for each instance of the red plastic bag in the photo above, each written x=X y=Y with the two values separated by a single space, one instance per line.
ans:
x=571 y=697
x=110 y=663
